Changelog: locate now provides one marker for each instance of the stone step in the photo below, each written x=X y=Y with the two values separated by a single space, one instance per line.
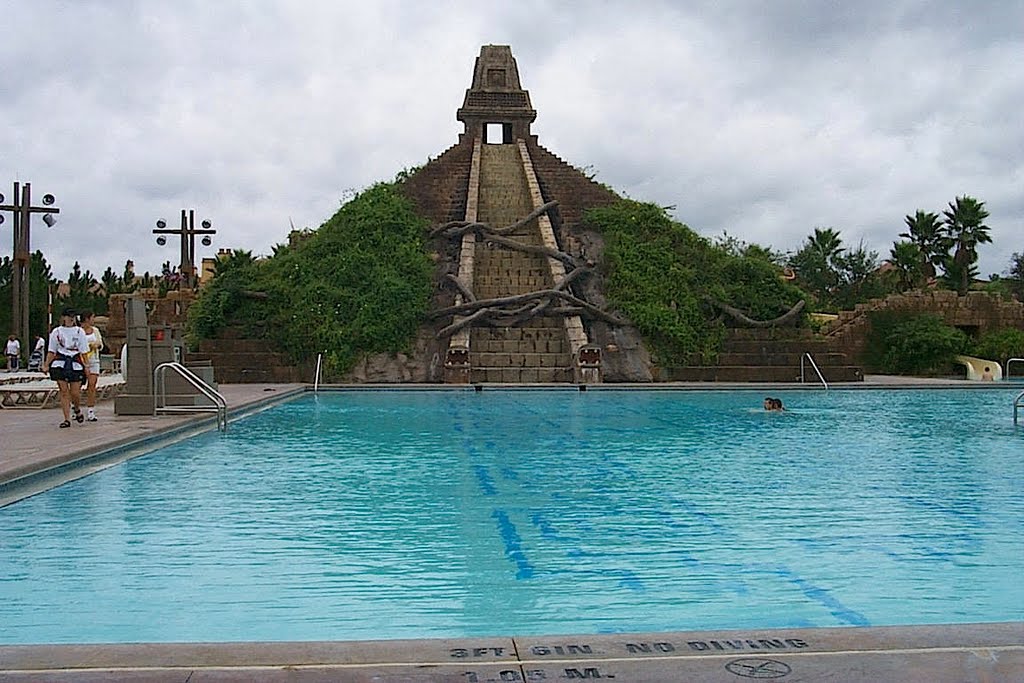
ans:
x=536 y=331
x=240 y=360
x=812 y=346
x=756 y=373
x=521 y=376
x=773 y=358
x=270 y=375
x=232 y=346
x=780 y=333
x=522 y=346
x=519 y=360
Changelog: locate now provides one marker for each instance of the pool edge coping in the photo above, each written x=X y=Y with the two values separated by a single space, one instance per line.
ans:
x=973 y=644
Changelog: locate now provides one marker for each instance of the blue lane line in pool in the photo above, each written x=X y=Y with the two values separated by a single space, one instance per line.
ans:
x=627 y=577
x=822 y=596
x=483 y=478
x=513 y=545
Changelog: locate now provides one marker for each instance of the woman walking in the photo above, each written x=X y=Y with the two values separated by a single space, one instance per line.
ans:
x=92 y=362
x=66 y=365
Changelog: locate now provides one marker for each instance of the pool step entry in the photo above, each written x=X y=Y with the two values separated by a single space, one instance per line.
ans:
x=767 y=355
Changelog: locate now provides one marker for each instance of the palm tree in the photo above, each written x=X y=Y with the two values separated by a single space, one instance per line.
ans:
x=826 y=243
x=966 y=229
x=817 y=263
x=233 y=260
x=905 y=258
x=926 y=232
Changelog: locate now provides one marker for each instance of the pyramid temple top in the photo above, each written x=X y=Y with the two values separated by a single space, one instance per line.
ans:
x=496 y=97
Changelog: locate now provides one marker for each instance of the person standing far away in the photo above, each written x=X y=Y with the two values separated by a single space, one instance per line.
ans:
x=40 y=345
x=987 y=376
x=66 y=365
x=13 y=351
x=92 y=362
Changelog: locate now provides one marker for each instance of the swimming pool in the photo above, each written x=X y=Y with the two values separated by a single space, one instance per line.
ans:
x=413 y=514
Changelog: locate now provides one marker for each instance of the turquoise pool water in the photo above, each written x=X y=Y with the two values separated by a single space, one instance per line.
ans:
x=406 y=514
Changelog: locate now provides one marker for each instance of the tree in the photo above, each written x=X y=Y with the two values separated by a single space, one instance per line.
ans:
x=236 y=259
x=1015 y=275
x=40 y=281
x=816 y=265
x=905 y=258
x=84 y=292
x=965 y=227
x=859 y=279
x=926 y=232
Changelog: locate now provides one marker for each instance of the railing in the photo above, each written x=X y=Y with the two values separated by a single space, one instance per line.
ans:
x=319 y=369
x=220 y=405
x=807 y=357
x=1017 y=404
x=1009 y=363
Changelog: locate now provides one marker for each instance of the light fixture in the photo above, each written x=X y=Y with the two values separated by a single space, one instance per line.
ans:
x=1 y=215
x=48 y=199
x=161 y=240
x=49 y=220
x=161 y=224
x=207 y=241
x=1 y=199
x=206 y=225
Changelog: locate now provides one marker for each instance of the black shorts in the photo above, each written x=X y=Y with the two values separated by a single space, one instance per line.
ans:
x=67 y=374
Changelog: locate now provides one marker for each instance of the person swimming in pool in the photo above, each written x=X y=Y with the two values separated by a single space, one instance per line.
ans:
x=773 y=404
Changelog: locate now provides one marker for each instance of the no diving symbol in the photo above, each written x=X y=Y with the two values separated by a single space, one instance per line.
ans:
x=758 y=668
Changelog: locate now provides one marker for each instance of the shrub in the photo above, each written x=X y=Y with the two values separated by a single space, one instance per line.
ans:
x=658 y=272
x=921 y=345
x=358 y=285
x=1000 y=345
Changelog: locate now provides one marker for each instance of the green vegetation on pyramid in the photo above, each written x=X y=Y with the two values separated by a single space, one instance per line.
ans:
x=660 y=274
x=358 y=285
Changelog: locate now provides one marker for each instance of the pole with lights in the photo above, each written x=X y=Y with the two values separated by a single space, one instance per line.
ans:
x=188 y=234
x=22 y=210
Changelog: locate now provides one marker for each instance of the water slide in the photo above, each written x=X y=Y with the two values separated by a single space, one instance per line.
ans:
x=976 y=368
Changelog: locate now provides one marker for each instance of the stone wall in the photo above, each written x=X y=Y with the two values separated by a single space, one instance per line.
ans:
x=438 y=189
x=170 y=310
x=976 y=314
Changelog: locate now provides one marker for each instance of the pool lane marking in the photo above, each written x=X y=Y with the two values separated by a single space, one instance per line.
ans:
x=513 y=545
x=816 y=593
x=979 y=652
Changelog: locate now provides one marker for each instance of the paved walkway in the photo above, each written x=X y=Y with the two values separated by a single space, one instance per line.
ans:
x=30 y=441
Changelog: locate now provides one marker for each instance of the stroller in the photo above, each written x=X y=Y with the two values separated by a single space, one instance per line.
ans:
x=35 y=362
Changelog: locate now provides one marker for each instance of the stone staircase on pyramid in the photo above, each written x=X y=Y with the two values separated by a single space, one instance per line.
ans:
x=536 y=351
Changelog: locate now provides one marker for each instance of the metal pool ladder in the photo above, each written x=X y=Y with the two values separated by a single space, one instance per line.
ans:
x=1018 y=403
x=807 y=357
x=318 y=373
x=220 y=405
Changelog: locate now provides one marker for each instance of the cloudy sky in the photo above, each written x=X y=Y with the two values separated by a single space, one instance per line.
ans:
x=763 y=119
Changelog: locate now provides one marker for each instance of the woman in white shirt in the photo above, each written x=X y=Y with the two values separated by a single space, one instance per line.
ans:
x=66 y=364
x=92 y=362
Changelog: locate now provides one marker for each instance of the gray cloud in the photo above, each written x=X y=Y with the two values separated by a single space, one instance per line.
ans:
x=765 y=119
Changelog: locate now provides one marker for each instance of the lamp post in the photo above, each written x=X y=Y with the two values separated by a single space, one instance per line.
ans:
x=188 y=234
x=22 y=210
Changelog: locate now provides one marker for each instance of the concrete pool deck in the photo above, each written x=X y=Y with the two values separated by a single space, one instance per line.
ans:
x=34 y=450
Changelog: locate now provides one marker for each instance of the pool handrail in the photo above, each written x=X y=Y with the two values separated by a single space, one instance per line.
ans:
x=1006 y=375
x=220 y=404
x=316 y=374
x=1018 y=403
x=807 y=356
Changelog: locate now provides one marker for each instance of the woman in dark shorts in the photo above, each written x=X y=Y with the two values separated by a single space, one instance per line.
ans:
x=65 y=363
